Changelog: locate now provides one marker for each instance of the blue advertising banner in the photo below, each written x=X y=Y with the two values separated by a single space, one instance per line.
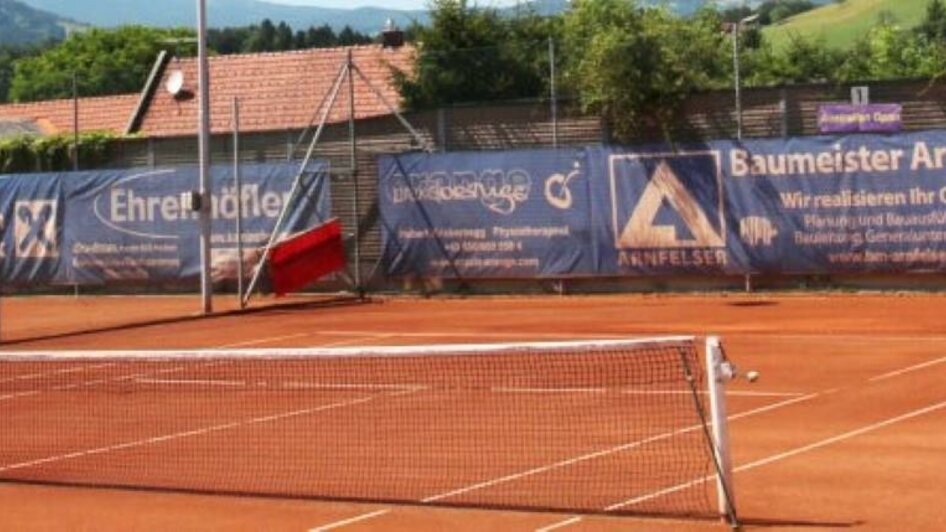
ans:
x=31 y=226
x=502 y=214
x=133 y=225
x=851 y=204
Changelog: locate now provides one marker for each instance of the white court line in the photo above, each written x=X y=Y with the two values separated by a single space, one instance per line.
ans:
x=374 y=336
x=909 y=369
x=582 y=458
x=157 y=439
x=484 y=334
x=351 y=386
x=185 y=434
x=560 y=524
x=634 y=334
x=794 y=398
x=262 y=341
x=195 y=382
x=133 y=377
x=841 y=437
x=738 y=393
x=604 y=452
x=339 y=524
x=764 y=461
x=284 y=385
x=788 y=454
x=504 y=389
x=735 y=393
x=75 y=385
x=62 y=371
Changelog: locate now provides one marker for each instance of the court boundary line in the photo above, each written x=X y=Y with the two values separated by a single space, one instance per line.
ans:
x=908 y=369
x=764 y=461
x=589 y=456
x=351 y=520
x=635 y=334
x=186 y=433
x=176 y=435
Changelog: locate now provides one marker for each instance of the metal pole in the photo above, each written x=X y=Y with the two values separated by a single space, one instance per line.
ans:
x=75 y=143
x=75 y=121
x=735 y=59
x=206 y=287
x=393 y=110
x=354 y=169
x=258 y=269
x=735 y=62
x=238 y=186
x=553 y=94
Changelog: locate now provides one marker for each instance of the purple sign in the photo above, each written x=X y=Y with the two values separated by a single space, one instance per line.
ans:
x=867 y=118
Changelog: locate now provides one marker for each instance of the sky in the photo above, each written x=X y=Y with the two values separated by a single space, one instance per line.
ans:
x=394 y=4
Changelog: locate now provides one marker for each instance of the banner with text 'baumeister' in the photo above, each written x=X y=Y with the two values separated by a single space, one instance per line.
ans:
x=855 y=203
x=134 y=225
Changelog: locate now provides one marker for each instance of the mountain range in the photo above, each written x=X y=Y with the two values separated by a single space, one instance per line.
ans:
x=228 y=13
x=20 y=24
x=222 y=13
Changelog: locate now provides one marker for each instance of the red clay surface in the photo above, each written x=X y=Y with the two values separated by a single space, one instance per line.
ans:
x=843 y=430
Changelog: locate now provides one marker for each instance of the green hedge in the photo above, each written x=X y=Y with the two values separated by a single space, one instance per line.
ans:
x=27 y=153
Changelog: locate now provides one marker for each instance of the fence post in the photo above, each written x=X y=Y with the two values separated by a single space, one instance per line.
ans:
x=442 y=128
x=553 y=95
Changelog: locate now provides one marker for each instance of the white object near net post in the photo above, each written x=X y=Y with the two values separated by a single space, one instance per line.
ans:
x=718 y=372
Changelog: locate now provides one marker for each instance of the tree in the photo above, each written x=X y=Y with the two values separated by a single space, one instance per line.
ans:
x=228 y=41
x=104 y=61
x=283 y=39
x=933 y=27
x=887 y=52
x=262 y=38
x=9 y=55
x=801 y=61
x=470 y=55
x=267 y=37
x=320 y=37
x=636 y=67
x=774 y=11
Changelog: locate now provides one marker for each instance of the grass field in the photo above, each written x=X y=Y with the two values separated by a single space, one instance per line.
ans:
x=841 y=24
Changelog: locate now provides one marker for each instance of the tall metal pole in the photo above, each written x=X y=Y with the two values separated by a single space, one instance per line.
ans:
x=203 y=74
x=553 y=95
x=238 y=186
x=75 y=142
x=735 y=63
x=354 y=168
x=75 y=121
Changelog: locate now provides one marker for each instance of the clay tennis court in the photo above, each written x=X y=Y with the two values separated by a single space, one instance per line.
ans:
x=842 y=430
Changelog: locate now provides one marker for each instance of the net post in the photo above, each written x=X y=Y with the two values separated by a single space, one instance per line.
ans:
x=718 y=371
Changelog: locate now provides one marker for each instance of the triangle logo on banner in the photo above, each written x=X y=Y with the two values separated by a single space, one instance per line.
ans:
x=643 y=231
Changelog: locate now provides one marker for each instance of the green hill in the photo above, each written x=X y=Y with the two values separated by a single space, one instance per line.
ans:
x=841 y=23
x=21 y=24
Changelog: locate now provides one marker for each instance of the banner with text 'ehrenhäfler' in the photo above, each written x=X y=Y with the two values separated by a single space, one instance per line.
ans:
x=133 y=225
x=851 y=204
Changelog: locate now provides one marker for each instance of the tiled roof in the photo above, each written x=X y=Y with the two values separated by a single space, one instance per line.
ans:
x=277 y=91
x=104 y=113
x=12 y=127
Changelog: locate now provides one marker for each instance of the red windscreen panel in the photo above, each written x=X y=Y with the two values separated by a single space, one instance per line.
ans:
x=306 y=257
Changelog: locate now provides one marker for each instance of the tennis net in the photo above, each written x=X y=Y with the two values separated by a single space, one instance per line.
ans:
x=598 y=426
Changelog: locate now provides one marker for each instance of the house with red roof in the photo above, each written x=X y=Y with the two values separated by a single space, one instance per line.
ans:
x=52 y=117
x=278 y=91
